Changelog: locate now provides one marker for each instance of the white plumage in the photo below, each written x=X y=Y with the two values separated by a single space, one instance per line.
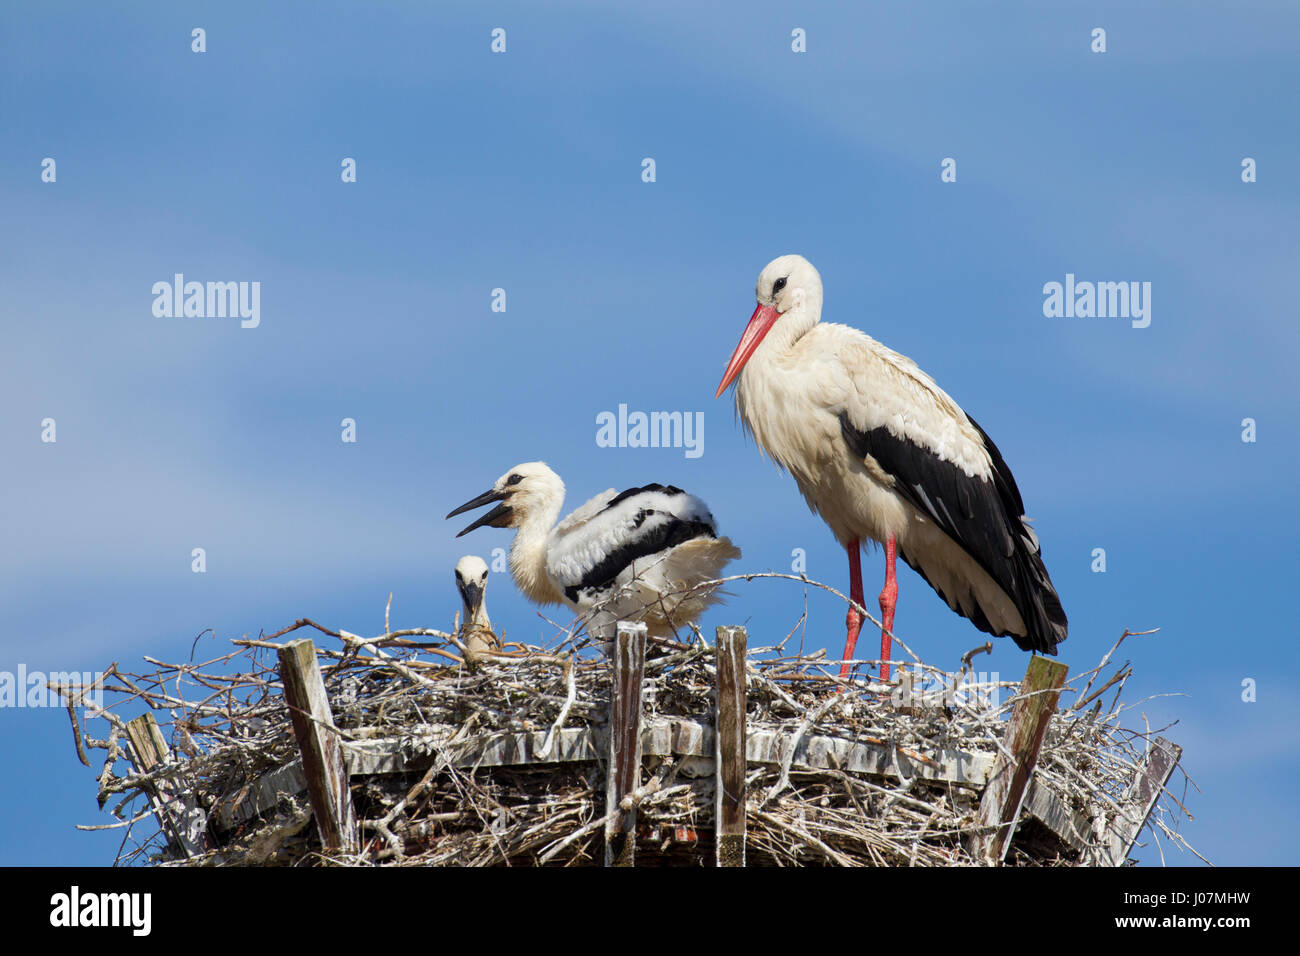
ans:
x=881 y=452
x=627 y=556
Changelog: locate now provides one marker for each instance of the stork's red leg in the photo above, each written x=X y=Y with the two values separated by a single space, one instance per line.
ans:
x=853 y=619
x=888 y=601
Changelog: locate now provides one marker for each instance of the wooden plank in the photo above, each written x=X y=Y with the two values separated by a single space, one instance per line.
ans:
x=1001 y=803
x=319 y=746
x=147 y=743
x=671 y=737
x=184 y=823
x=624 y=768
x=660 y=737
x=953 y=767
x=1139 y=800
x=729 y=746
x=1071 y=827
x=260 y=796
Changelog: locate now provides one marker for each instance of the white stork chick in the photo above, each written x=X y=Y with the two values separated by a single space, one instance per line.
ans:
x=475 y=628
x=634 y=556
x=881 y=452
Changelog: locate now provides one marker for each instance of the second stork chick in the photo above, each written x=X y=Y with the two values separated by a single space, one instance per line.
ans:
x=475 y=628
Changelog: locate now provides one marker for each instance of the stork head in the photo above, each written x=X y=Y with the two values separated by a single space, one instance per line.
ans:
x=789 y=292
x=523 y=491
x=471 y=582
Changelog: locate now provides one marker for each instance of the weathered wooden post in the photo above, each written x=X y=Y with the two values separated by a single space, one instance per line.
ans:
x=624 y=769
x=729 y=746
x=1009 y=781
x=185 y=823
x=1139 y=799
x=320 y=747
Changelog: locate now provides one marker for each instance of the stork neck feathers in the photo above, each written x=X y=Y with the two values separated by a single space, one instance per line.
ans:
x=792 y=326
x=529 y=550
x=783 y=337
x=765 y=383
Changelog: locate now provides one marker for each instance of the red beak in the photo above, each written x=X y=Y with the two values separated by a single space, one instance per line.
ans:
x=760 y=323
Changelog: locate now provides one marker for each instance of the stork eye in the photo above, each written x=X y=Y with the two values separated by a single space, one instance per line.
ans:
x=779 y=284
x=514 y=479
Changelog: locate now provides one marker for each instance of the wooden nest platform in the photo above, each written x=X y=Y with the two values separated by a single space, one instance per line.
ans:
x=392 y=751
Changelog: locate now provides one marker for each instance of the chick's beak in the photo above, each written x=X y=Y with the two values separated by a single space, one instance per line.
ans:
x=472 y=595
x=496 y=518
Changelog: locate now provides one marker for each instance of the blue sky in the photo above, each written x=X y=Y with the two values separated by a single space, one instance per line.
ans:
x=523 y=171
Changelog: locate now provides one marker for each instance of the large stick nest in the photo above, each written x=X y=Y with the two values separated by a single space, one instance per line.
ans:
x=228 y=726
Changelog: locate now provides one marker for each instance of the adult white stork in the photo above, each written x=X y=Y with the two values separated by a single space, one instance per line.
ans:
x=476 y=632
x=881 y=452
x=638 y=555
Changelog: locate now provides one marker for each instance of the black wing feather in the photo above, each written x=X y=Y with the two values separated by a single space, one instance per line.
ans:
x=985 y=517
x=669 y=490
x=669 y=534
